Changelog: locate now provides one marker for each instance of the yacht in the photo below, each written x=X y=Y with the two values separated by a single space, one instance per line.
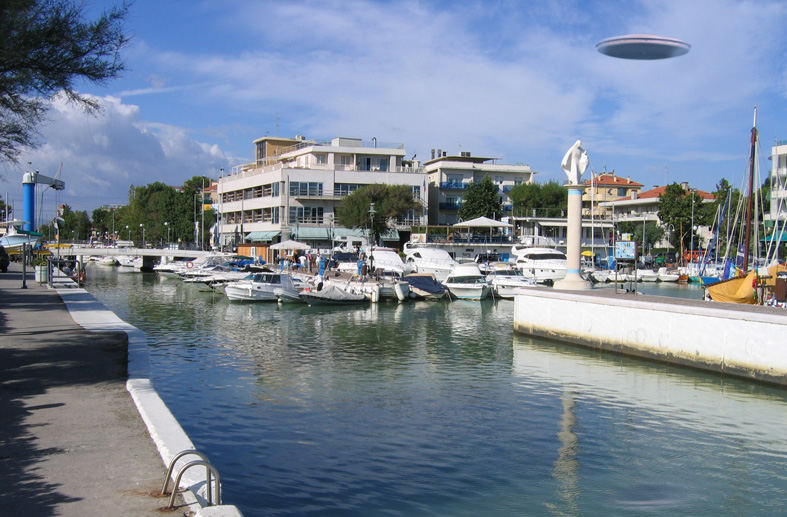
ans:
x=505 y=282
x=466 y=282
x=539 y=260
x=435 y=261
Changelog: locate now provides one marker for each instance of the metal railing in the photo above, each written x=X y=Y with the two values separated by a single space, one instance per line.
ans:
x=210 y=471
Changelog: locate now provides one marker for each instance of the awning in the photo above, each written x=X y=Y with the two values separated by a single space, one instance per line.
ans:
x=349 y=232
x=310 y=234
x=482 y=222
x=779 y=236
x=262 y=236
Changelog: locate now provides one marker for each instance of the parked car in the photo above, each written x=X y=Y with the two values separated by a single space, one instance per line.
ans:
x=3 y=259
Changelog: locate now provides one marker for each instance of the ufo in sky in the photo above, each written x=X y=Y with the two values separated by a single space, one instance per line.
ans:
x=642 y=46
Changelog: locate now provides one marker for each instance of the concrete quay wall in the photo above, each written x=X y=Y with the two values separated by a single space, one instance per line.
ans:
x=745 y=341
x=164 y=429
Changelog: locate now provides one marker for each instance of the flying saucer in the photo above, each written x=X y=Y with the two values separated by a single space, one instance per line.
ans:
x=642 y=46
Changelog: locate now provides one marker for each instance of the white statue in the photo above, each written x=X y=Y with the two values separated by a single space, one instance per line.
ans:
x=575 y=162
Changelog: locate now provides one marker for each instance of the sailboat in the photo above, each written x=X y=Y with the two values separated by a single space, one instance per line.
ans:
x=742 y=289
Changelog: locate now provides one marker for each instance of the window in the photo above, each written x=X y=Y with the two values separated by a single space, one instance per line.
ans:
x=306 y=214
x=344 y=161
x=621 y=191
x=416 y=192
x=302 y=188
x=322 y=158
x=344 y=189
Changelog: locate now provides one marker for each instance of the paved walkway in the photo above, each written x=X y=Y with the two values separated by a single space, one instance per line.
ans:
x=71 y=440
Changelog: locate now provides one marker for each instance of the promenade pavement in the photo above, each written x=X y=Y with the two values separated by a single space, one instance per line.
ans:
x=72 y=442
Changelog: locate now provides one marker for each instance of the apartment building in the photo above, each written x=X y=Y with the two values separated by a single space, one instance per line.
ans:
x=450 y=176
x=294 y=186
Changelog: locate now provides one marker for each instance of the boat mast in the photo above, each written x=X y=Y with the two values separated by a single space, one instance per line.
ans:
x=747 y=238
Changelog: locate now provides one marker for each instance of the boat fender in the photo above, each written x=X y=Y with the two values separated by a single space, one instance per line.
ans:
x=189 y=264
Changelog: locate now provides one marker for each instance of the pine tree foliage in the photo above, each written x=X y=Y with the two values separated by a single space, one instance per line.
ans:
x=45 y=48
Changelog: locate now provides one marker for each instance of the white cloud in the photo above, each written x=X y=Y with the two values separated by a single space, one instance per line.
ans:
x=104 y=153
x=437 y=75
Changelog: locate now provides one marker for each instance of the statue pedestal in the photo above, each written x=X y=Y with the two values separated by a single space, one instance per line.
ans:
x=572 y=280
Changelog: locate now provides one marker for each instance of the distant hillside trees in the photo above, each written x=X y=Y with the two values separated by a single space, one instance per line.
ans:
x=47 y=47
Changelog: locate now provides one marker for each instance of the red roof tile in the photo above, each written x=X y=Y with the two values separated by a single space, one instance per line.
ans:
x=658 y=191
x=612 y=180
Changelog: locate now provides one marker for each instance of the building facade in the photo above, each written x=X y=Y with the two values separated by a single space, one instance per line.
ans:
x=294 y=186
x=778 y=178
x=643 y=207
x=601 y=188
x=450 y=176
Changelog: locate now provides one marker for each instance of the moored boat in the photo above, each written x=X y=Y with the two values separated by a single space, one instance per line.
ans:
x=260 y=287
x=466 y=282
x=332 y=294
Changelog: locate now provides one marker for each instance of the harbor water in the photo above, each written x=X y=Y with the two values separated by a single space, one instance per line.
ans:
x=440 y=409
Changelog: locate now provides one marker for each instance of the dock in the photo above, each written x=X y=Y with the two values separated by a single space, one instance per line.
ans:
x=740 y=340
x=81 y=433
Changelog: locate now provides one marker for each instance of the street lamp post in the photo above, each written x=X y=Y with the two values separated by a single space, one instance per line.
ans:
x=371 y=223
x=691 y=249
x=166 y=224
x=128 y=233
x=143 y=234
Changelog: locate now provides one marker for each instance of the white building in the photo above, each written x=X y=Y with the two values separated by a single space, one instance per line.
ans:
x=778 y=182
x=293 y=188
x=643 y=207
x=449 y=177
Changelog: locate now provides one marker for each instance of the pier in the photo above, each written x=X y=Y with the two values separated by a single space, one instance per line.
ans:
x=83 y=430
x=741 y=340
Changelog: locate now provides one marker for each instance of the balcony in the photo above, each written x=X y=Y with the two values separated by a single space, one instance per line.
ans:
x=449 y=206
x=453 y=185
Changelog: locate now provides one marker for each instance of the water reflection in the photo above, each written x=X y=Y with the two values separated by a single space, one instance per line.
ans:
x=438 y=409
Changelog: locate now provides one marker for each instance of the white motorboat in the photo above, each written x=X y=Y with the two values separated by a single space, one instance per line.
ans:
x=433 y=261
x=382 y=286
x=260 y=287
x=542 y=263
x=128 y=261
x=601 y=275
x=666 y=275
x=14 y=236
x=647 y=275
x=332 y=294
x=506 y=282
x=467 y=282
x=388 y=260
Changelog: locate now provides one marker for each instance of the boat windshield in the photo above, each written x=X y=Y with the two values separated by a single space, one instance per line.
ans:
x=267 y=278
x=545 y=256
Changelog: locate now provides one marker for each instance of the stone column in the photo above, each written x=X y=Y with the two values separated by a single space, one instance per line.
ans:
x=573 y=281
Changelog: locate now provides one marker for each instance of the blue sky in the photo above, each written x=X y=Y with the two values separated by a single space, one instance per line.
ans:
x=520 y=81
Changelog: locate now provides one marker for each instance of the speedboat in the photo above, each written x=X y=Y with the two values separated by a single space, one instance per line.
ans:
x=332 y=294
x=383 y=285
x=261 y=287
x=542 y=265
x=434 y=261
x=647 y=275
x=467 y=282
x=666 y=275
x=506 y=282
x=388 y=260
